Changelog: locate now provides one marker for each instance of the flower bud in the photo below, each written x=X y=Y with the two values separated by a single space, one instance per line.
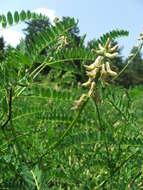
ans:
x=92 y=73
x=92 y=88
x=113 y=48
x=103 y=71
x=87 y=83
x=100 y=52
x=110 y=45
x=109 y=71
x=94 y=65
x=107 y=43
x=78 y=103
x=98 y=62
x=101 y=47
x=111 y=56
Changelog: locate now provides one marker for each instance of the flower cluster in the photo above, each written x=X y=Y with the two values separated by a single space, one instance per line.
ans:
x=100 y=69
x=62 y=42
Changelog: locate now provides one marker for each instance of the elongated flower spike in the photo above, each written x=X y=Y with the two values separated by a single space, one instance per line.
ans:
x=99 y=69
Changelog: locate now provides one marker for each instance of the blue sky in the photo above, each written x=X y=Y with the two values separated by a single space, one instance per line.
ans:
x=95 y=16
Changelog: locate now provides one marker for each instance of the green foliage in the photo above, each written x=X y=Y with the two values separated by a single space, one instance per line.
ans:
x=42 y=114
x=49 y=37
x=17 y=17
x=114 y=34
x=44 y=143
x=2 y=47
x=34 y=27
x=133 y=74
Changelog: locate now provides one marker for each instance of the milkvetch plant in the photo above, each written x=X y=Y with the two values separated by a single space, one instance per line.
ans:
x=44 y=144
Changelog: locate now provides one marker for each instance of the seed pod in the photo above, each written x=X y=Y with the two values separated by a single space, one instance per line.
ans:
x=109 y=71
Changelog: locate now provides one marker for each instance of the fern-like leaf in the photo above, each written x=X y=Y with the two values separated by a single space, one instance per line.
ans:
x=17 y=17
x=114 y=34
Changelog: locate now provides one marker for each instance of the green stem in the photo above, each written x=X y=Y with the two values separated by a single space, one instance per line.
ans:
x=134 y=179
x=129 y=61
x=36 y=182
x=102 y=129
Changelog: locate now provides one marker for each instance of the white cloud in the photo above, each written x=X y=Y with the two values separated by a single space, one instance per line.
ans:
x=47 y=12
x=11 y=37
